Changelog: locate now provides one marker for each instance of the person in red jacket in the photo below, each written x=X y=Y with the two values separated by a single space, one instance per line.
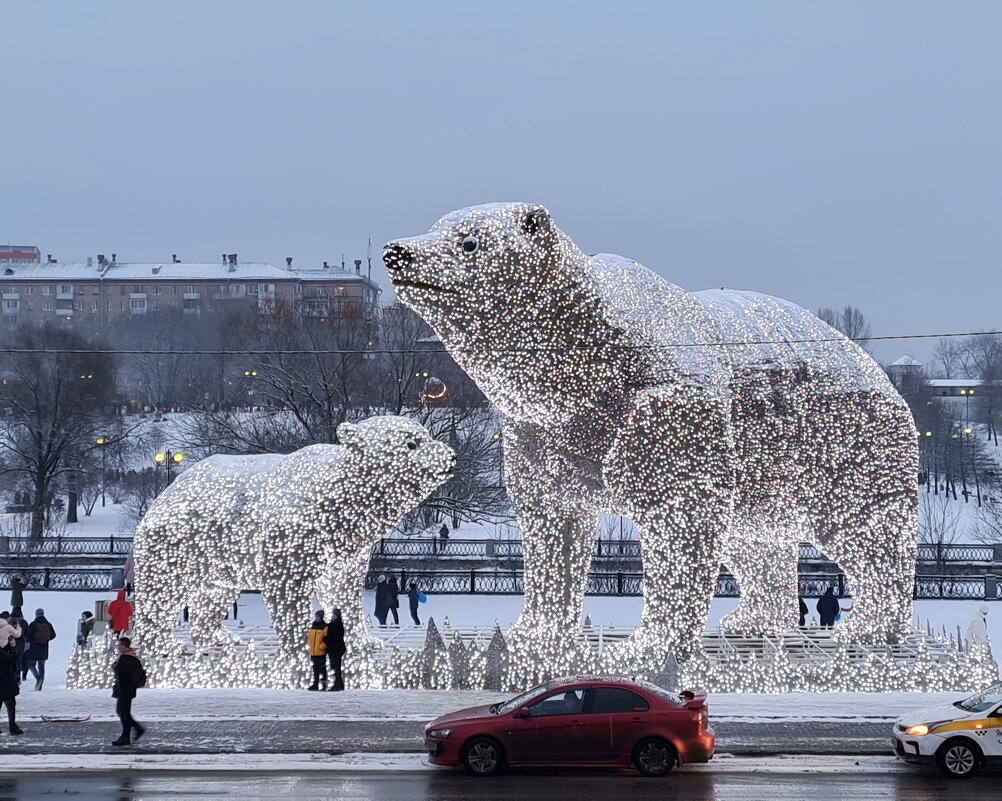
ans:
x=121 y=612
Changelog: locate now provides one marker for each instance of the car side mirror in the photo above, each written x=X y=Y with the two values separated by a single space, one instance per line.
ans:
x=997 y=713
x=523 y=713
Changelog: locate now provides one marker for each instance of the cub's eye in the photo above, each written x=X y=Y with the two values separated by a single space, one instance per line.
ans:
x=470 y=244
x=411 y=445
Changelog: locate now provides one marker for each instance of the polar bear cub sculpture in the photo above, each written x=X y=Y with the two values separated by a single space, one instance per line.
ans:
x=286 y=525
x=728 y=425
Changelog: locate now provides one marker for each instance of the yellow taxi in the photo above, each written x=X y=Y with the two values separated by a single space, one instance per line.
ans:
x=958 y=738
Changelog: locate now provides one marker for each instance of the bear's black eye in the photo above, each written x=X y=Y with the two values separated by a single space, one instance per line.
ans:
x=470 y=244
x=411 y=445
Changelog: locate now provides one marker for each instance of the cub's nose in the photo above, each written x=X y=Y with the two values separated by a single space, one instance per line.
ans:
x=396 y=256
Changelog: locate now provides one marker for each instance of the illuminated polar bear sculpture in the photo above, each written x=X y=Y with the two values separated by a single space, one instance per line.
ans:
x=728 y=425
x=287 y=525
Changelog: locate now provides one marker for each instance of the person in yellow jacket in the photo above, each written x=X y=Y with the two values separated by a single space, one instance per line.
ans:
x=318 y=651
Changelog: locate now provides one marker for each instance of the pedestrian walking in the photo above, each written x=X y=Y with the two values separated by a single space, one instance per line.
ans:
x=334 y=640
x=10 y=685
x=130 y=675
x=828 y=608
x=120 y=612
x=17 y=619
x=414 y=598
x=17 y=585
x=443 y=536
x=84 y=627
x=382 y=600
x=977 y=631
x=315 y=636
x=393 y=599
x=40 y=634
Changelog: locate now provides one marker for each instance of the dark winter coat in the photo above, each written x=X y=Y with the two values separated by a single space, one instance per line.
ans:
x=17 y=594
x=16 y=619
x=413 y=595
x=335 y=637
x=126 y=675
x=84 y=629
x=828 y=607
x=392 y=602
x=9 y=669
x=39 y=650
x=382 y=596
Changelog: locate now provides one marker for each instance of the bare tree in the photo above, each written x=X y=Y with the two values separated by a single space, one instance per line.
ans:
x=58 y=400
x=850 y=321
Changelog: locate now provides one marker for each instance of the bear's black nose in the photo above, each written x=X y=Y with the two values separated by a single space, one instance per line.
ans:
x=396 y=257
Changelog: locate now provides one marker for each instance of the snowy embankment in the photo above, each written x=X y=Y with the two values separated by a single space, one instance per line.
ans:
x=424 y=705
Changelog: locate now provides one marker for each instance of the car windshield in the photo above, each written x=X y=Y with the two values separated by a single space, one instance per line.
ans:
x=982 y=701
x=518 y=700
x=661 y=692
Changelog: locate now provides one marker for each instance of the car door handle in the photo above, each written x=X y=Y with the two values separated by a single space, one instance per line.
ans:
x=576 y=723
x=638 y=720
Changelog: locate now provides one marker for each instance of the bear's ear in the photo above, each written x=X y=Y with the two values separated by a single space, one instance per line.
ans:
x=537 y=225
x=537 y=221
x=346 y=433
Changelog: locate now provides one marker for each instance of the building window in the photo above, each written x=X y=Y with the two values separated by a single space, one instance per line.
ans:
x=107 y=305
x=121 y=305
x=156 y=290
x=46 y=305
x=29 y=306
x=29 y=290
x=191 y=290
x=139 y=289
x=95 y=290
x=121 y=291
x=10 y=305
x=66 y=289
x=137 y=305
x=46 y=290
x=175 y=290
x=156 y=304
x=94 y=305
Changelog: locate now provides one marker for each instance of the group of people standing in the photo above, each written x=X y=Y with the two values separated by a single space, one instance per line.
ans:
x=388 y=600
x=326 y=642
x=24 y=649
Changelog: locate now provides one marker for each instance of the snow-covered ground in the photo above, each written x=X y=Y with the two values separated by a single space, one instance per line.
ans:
x=63 y=610
x=423 y=705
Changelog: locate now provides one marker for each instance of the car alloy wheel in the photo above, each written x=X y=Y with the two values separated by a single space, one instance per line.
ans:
x=654 y=757
x=482 y=757
x=958 y=759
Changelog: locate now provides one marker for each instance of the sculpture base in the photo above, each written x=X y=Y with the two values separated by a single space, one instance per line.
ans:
x=801 y=660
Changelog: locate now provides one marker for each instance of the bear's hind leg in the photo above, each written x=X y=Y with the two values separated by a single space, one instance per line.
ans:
x=876 y=551
x=764 y=562
x=288 y=601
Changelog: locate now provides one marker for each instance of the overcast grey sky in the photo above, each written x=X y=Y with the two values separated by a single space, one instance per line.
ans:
x=829 y=153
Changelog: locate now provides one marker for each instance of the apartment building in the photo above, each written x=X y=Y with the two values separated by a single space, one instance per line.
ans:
x=102 y=290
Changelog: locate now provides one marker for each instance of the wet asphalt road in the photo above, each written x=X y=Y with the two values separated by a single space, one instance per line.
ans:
x=242 y=736
x=922 y=786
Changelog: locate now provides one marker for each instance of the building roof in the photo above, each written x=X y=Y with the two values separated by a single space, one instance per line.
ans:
x=955 y=382
x=906 y=361
x=127 y=271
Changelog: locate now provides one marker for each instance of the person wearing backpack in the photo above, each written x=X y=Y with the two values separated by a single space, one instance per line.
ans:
x=40 y=634
x=129 y=676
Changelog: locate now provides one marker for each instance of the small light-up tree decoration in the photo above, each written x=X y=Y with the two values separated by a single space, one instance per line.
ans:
x=287 y=525
x=726 y=424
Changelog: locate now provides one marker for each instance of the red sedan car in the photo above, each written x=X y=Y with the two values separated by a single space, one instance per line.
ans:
x=582 y=722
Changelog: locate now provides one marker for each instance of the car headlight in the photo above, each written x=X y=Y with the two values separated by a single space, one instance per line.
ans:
x=440 y=734
x=924 y=728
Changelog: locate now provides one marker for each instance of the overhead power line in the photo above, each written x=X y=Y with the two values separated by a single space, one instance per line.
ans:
x=526 y=349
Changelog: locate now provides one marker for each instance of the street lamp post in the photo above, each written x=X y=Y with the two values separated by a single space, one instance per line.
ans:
x=168 y=460
x=101 y=442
